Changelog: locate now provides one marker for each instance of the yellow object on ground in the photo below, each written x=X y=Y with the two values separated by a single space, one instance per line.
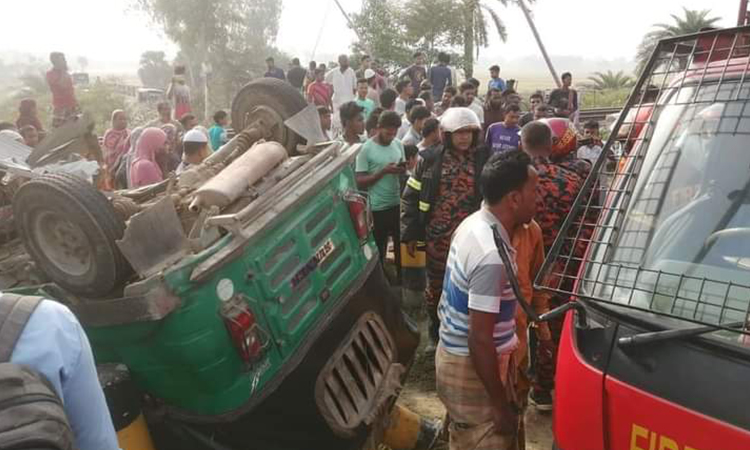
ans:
x=135 y=436
x=413 y=268
x=407 y=430
x=416 y=261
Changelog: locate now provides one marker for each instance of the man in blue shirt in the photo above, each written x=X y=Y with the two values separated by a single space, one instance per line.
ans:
x=440 y=76
x=495 y=81
x=54 y=344
x=273 y=71
x=505 y=135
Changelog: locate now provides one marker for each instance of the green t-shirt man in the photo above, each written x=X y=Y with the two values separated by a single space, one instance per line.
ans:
x=367 y=105
x=386 y=192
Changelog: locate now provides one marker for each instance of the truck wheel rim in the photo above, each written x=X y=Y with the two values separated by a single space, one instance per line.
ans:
x=270 y=119
x=63 y=243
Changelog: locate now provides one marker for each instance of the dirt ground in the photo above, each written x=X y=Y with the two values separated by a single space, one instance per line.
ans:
x=419 y=392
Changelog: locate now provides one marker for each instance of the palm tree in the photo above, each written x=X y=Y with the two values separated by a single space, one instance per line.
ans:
x=692 y=22
x=611 y=80
x=476 y=33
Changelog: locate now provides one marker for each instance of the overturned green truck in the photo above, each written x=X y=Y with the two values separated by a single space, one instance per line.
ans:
x=245 y=297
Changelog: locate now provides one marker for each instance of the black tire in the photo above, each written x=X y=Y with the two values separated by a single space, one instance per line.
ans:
x=69 y=229
x=275 y=94
x=7 y=224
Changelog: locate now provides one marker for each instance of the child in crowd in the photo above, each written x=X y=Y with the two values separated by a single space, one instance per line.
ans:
x=218 y=133
x=362 y=100
x=30 y=135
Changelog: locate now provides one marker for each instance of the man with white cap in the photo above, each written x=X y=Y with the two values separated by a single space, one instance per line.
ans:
x=373 y=86
x=194 y=149
x=441 y=193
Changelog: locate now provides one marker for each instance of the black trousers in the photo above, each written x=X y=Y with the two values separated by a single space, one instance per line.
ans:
x=387 y=223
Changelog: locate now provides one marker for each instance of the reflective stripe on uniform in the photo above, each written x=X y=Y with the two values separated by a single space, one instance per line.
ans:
x=424 y=206
x=414 y=184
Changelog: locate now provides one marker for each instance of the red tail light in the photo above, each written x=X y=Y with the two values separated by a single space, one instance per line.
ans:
x=243 y=329
x=360 y=214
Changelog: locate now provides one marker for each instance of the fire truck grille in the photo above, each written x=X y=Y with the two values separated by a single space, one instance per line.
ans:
x=350 y=385
x=662 y=219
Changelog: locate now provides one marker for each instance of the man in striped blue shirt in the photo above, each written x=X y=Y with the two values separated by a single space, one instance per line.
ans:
x=474 y=362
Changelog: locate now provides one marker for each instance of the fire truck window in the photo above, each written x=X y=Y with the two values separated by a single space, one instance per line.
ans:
x=694 y=185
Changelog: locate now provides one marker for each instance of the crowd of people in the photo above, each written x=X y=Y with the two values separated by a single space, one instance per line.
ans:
x=441 y=175
x=458 y=171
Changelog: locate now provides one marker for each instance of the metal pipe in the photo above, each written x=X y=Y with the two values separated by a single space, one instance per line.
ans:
x=273 y=194
x=246 y=137
x=237 y=177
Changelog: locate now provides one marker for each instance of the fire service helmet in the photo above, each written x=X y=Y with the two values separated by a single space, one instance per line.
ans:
x=454 y=119
x=564 y=137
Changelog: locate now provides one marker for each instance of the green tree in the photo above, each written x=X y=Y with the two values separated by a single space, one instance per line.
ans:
x=381 y=33
x=232 y=36
x=154 y=70
x=99 y=100
x=611 y=80
x=692 y=21
x=34 y=84
x=474 y=23
x=426 y=23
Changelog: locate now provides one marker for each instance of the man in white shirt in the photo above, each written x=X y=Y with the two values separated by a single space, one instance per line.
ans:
x=344 y=82
x=590 y=148
x=405 y=91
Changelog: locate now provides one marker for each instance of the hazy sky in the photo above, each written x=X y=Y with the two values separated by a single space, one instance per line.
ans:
x=106 y=30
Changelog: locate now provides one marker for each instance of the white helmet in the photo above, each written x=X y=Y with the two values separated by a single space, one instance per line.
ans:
x=454 y=119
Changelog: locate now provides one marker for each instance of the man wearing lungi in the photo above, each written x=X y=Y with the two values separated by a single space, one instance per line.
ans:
x=475 y=366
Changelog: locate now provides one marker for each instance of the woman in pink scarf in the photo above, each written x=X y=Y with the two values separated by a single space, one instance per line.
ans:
x=144 y=170
x=116 y=137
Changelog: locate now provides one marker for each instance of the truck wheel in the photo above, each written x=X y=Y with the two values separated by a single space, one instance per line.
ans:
x=69 y=229
x=272 y=101
x=7 y=225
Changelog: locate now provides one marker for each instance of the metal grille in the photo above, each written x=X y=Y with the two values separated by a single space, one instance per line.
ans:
x=663 y=222
x=350 y=385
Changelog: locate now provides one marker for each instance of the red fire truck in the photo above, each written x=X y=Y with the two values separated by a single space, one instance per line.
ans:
x=655 y=350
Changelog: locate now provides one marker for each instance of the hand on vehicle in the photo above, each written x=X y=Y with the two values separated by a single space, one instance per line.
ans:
x=411 y=248
x=505 y=420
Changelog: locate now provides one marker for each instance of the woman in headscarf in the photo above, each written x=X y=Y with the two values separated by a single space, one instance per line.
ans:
x=122 y=165
x=27 y=115
x=115 y=138
x=172 y=155
x=144 y=170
